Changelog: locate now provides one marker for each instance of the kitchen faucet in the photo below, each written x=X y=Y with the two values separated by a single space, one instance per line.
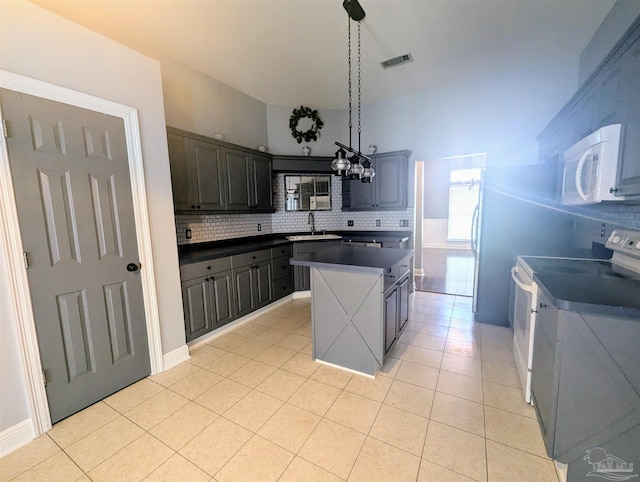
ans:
x=312 y=222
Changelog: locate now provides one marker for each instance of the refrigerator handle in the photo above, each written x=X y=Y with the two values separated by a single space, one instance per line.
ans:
x=474 y=231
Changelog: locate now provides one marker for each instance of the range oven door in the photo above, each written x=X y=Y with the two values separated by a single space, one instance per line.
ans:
x=526 y=292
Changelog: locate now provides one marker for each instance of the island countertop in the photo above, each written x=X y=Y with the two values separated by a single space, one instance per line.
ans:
x=354 y=258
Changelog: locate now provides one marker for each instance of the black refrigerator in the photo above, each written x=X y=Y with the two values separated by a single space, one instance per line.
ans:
x=513 y=218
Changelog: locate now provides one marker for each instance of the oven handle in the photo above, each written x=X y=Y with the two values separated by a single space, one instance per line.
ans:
x=518 y=282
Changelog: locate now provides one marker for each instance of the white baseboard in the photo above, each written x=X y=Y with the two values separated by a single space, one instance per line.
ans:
x=15 y=437
x=301 y=294
x=461 y=246
x=176 y=357
x=561 y=470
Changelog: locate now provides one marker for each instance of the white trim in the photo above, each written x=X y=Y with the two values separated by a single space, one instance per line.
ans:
x=345 y=369
x=301 y=294
x=15 y=437
x=175 y=357
x=452 y=246
x=19 y=285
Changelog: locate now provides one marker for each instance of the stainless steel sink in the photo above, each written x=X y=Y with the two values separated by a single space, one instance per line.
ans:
x=313 y=237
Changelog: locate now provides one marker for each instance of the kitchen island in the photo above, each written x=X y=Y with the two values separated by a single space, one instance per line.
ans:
x=359 y=303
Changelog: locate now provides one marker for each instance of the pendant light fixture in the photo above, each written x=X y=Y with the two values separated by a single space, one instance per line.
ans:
x=357 y=167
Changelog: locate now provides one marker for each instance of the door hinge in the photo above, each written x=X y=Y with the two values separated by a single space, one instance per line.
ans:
x=44 y=377
x=4 y=128
x=26 y=260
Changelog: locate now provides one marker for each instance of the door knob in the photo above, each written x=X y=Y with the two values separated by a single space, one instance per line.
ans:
x=132 y=267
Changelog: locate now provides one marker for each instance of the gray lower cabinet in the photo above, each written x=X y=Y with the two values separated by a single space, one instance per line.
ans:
x=207 y=300
x=388 y=190
x=585 y=380
x=252 y=281
x=396 y=304
x=220 y=290
x=214 y=176
x=390 y=317
x=282 y=271
x=302 y=275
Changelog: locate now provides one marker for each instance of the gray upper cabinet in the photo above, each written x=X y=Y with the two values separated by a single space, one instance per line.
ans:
x=388 y=189
x=238 y=179
x=629 y=169
x=610 y=96
x=215 y=176
x=196 y=170
x=208 y=177
x=181 y=172
x=262 y=184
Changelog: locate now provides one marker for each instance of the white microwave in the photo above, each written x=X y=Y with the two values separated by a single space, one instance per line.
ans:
x=591 y=168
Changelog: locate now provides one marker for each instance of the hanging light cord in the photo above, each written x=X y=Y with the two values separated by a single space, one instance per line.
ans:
x=349 y=56
x=359 y=70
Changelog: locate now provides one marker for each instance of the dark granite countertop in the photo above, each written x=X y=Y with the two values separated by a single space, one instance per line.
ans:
x=193 y=253
x=588 y=286
x=354 y=258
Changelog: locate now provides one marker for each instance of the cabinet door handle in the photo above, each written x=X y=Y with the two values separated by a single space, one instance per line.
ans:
x=613 y=190
x=208 y=267
x=542 y=306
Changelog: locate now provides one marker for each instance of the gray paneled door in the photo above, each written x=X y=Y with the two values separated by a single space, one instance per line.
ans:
x=73 y=194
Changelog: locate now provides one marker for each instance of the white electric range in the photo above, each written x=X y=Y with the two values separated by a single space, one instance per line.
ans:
x=602 y=286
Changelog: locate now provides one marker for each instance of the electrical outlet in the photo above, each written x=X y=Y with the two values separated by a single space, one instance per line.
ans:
x=377 y=222
x=602 y=229
x=350 y=222
x=187 y=233
x=404 y=223
x=259 y=227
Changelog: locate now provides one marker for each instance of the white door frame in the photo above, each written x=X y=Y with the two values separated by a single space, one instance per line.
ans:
x=21 y=305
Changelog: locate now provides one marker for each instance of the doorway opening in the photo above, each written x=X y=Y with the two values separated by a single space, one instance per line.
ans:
x=451 y=192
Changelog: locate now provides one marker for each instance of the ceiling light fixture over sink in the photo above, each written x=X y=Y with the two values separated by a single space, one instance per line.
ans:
x=358 y=167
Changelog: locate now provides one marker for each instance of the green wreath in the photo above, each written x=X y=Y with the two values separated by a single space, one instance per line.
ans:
x=314 y=131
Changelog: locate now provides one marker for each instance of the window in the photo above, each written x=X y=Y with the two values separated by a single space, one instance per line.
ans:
x=464 y=189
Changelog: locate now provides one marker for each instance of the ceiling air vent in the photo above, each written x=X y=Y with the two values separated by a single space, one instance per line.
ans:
x=395 y=61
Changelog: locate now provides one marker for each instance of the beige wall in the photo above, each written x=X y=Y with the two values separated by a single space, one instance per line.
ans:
x=200 y=104
x=38 y=44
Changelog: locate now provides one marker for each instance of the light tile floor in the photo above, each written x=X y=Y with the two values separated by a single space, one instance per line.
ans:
x=253 y=406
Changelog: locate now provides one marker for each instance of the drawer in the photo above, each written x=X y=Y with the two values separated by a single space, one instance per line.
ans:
x=245 y=259
x=281 y=251
x=203 y=268
x=403 y=267
x=398 y=271
x=282 y=268
x=282 y=287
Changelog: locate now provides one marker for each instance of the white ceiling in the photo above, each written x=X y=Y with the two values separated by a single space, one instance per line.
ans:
x=292 y=52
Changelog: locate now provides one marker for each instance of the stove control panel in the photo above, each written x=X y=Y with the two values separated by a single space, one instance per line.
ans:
x=625 y=241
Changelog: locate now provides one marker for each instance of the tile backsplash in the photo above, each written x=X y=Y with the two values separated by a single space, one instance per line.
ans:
x=612 y=215
x=214 y=227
